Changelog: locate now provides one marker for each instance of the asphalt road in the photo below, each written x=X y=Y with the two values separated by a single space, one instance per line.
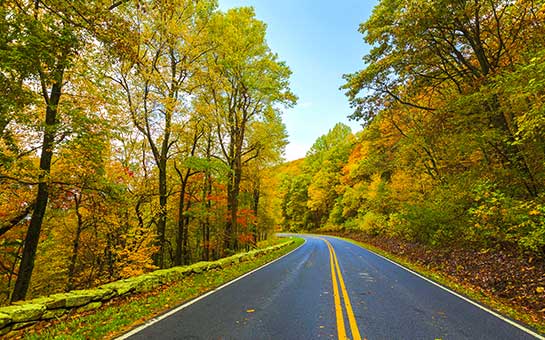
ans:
x=332 y=291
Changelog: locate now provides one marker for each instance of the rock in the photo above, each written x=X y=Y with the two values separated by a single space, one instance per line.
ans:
x=23 y=313
x=22 y=325
x=199 y=267
x=146 y=283
x=78 y=298
x=236 y=258
x=54 y=313
x=57 y=301
x=181 y=272
x=97 y=294
x=213 y=265
x=164 y=275
x=53 y=301
x=224 y=263
x=5 y=320
x=5 y=330
x=122 y=287
x=90 y=306
x=108 y=294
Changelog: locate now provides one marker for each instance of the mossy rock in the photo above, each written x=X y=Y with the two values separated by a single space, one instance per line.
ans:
x=77 y=298
x=23 y=313
x=108 y=294
x=170 y=275
x=199 y=267
x=122 y=287
x=5 y=330
x=253 y=253
x=50 y=302
x=22 y=325
x=147 y=283
x=180 y=272
x=164 y=275
x=213 y=265
x=5 y=320
x=37 y=301
x=249 y=255
x=236 y=258
x=90 y=306
x=55 y=301
x=224 y=263
x=97 y=294
x=54 y=313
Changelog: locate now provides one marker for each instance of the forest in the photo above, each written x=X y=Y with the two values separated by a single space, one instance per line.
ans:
x=452 y=152
x=137 y=135
x=134 y=135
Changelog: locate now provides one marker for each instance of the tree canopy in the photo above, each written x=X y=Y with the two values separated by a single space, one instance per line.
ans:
x=132 y=136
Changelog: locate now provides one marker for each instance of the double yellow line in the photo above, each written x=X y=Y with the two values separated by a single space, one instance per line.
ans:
x=336 y=276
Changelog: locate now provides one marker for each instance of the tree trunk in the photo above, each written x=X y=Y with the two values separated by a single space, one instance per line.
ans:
x=75 y=246
x=162 y=220
x=42 y=196
x=257 y=195
x=186 y=258
x=181 y=222
x=516 y=158
x=207 y=192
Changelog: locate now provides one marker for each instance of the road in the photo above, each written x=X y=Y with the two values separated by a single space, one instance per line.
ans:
x=331 y=289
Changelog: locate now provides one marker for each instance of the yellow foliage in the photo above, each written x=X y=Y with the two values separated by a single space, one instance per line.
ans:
x=374 y=186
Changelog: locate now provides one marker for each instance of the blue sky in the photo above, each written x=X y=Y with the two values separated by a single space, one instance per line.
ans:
x=319 y=41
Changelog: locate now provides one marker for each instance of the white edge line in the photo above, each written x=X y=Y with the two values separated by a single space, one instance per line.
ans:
x=509 y=321
x=189 y=303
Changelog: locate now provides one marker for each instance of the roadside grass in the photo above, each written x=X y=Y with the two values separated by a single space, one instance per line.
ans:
x=471 y=292
x=123 y=314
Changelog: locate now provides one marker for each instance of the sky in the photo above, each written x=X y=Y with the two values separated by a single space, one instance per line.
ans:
x=319 y=40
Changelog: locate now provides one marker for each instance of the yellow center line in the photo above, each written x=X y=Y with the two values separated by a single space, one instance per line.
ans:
x=335 y=268
x=351 y=318
x=341 y=332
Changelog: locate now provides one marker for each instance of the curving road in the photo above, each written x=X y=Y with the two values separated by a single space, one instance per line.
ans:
x=330 y=288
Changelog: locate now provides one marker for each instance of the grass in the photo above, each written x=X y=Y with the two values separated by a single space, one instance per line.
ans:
x=473 y=293
x=120 y=315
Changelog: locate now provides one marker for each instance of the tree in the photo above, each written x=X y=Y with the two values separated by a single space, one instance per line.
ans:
x=437 y=96
x=269 y=134
x=47 y=46
x=245 y=80
x=157 y=78
x=324 y=162
x=441 y=57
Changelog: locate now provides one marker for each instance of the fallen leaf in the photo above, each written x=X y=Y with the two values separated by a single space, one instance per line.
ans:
x=250 y=310
x=540 y=290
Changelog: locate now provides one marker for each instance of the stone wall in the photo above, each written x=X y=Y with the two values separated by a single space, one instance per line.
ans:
x=26 y=313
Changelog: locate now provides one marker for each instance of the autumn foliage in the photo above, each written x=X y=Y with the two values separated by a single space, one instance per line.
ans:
x=133 y=136
x=452 y=150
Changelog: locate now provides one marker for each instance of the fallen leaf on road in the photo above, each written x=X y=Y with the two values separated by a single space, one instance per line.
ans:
x=250 y=310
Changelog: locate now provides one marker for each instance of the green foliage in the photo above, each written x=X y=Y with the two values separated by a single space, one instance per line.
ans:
x=497 y=217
